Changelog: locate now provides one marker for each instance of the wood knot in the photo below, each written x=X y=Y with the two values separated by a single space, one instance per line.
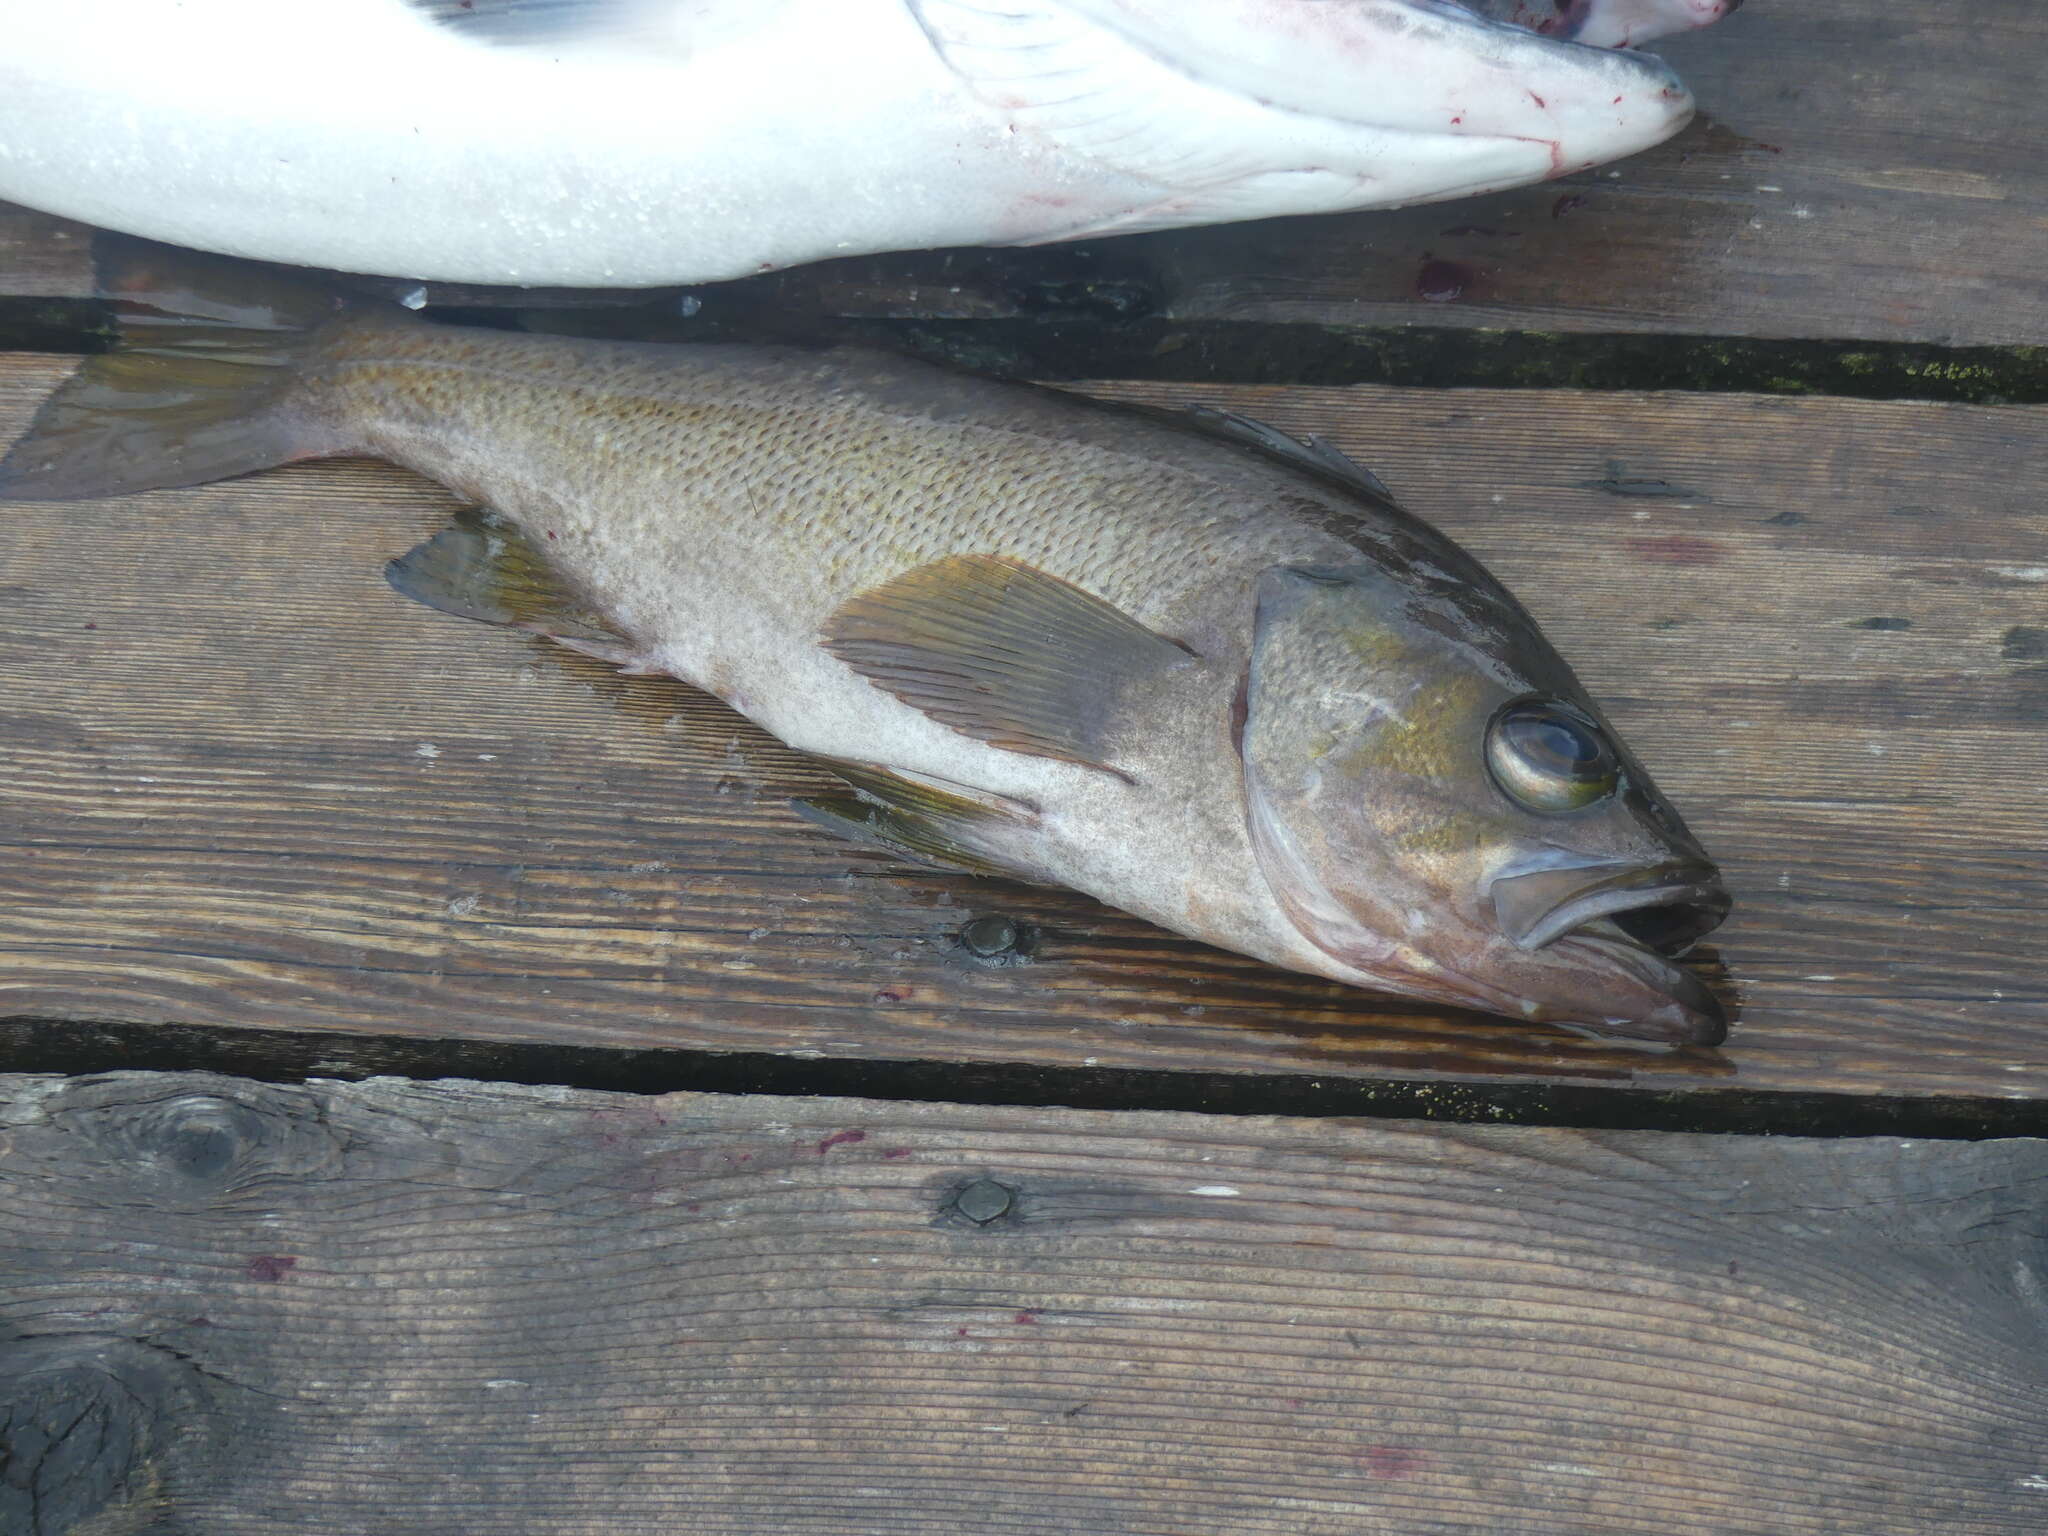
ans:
x=102 y=1430
x=181 y=1140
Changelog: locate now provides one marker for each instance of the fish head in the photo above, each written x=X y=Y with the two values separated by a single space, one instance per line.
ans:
x=1441 y=810
x=1415 y=100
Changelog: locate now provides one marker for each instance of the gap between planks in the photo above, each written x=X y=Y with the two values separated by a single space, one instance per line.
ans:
x=78 y=1047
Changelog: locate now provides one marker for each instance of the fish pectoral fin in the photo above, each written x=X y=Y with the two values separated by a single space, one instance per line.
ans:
x=915 y=816
x=1004 y=653
x=1311 y=455
x=482 y=567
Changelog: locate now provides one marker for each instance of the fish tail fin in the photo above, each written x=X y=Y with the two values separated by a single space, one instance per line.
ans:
x=202 y=382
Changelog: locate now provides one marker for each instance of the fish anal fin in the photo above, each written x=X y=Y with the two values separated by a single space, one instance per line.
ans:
x=482 y=567
x=927 y=795
x=629 y=659
x=919 y=817
x=1003 y=653
x=880 y=826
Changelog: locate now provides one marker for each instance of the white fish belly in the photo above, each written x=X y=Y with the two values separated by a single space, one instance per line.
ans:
x=443 y=159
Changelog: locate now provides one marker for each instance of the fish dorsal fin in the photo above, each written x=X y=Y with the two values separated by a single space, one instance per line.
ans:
x=482 y=567
x=1311 y=455
x=916 y=816
x=1002 y=652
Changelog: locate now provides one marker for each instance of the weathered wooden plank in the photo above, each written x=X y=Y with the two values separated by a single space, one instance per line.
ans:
x=1860 y=172
x=246 y=785
x=43 y=257
x=460 y=1308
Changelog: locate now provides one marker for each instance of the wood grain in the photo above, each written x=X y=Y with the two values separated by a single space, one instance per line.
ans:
x=43 y=257
x=1859 y=171
x=456 y=1309
x=246 y=785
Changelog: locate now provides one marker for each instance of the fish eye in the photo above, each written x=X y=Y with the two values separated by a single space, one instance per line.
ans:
x=1550 y=758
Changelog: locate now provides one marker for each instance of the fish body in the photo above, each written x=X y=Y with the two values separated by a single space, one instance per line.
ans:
x=1200 y=670
x=635 y=142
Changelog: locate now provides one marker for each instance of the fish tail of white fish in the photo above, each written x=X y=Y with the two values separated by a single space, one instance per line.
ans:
x=203 y=384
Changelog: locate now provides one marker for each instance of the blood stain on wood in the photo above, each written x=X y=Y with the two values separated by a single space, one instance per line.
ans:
x=1675 y=549
x=1392 y=1461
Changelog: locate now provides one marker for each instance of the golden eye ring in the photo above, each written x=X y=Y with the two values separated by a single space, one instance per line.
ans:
x=1549 y=758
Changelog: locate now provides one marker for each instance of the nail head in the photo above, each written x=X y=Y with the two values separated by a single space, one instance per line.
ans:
x=983 y=1201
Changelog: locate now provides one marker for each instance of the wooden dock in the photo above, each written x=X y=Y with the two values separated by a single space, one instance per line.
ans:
x=445 y=1089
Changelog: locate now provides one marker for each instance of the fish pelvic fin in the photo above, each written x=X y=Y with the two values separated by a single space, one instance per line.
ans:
x=201 y=383
x=1004 y=653
x=917 y=817
x=482 y=567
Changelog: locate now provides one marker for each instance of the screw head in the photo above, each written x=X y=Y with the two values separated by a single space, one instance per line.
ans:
x=988 y=937
x=983 y=1201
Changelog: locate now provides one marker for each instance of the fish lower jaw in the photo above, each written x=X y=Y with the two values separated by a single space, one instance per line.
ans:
x=1617 y=988
x=1645 y=995
x=1403 y=972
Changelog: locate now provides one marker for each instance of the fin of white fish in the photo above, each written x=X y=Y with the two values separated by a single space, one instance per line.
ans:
x=915 y=816
x=482 y=567
x=1003 y=653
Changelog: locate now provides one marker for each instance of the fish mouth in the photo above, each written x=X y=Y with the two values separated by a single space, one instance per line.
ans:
x=1665 y=907
x=1632 y=921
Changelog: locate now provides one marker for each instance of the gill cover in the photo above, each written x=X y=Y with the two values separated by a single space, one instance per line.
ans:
x=1347 y=763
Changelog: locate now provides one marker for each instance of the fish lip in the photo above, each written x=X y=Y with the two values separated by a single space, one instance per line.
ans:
x=1631 y=918
x=1690 y=1014
x=1537 y=908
